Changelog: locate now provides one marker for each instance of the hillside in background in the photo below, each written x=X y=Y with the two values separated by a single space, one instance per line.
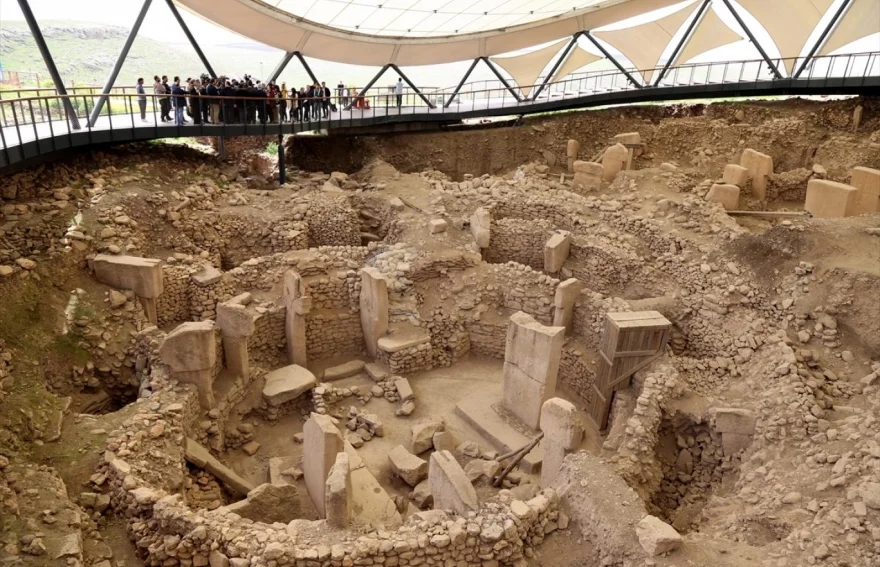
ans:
x=85 y=53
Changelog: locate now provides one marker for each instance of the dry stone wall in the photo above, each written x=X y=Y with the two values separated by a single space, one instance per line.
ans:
x=267 y=346
x=184 y=299
x=332 y=333
x=519 y=240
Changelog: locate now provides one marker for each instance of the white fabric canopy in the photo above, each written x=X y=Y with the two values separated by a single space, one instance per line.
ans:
x=576 y=59
x=644 y=44
x=525 y=69
x=789 y=22
x=861 y=20
x=277 y=28
x=711 y=32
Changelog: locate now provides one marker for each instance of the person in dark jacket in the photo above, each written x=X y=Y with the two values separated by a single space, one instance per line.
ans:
x=244 y=106
x=166 y=102
x=178 y=100
x=211 y=91
x=326 y=93
x=194 y=102
x=262 y=108
x=228 y=93
x=203 y=101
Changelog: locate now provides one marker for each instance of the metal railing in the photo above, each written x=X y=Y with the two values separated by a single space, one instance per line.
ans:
x=47 y=119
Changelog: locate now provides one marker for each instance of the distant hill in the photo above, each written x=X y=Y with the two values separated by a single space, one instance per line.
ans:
x=85 y=53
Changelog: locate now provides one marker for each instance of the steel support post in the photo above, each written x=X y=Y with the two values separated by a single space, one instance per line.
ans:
x=558 y=64
x=282 y=170
x=280 y=67
x=108 y=86
x=49 y=61
x=620 y=67
x=504 y=82
x=461 y=83
x=302 y=61
x=221 y=149
x=824 y=37
x=370 y=84
x=751 y=37
x=701 y=13
x=191 y=39
x=412 y=86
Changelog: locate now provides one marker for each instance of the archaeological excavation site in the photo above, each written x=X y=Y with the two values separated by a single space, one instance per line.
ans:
x=624 y=337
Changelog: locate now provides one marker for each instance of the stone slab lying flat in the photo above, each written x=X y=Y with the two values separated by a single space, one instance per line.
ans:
x=478 y=411
x=287 y=383
x=202 y=458
x=411 y=339
x=341 y=371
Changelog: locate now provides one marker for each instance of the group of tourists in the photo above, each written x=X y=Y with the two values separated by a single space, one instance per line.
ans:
x=207 y=100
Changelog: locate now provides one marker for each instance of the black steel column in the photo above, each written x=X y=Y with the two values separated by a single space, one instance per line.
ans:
x=96 y=112
x=822 y=38
x=684 y=39
x=745 y=28
x=461 y=83
x=412 y=86
x=558 y=63
x=280 y=67
x=221 y=149
x=366 y=88
x=305 y=65
x=191 y=39
x=613 y=60
x=50 y=63
x=502 y=79
x=282 y=171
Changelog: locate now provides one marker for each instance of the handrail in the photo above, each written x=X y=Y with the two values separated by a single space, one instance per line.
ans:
x=39 y=118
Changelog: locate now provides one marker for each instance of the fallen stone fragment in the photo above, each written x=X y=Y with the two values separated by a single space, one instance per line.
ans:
x=656 y=536
x=410 y=468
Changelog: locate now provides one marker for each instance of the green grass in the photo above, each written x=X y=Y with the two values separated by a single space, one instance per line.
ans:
x=272 y=149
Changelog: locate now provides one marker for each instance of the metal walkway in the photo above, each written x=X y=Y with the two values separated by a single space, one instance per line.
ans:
x=35 y=128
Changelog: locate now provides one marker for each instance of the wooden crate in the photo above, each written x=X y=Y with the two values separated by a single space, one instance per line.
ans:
x=634 y=334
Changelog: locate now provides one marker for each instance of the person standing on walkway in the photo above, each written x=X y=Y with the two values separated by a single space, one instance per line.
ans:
x=194 y=102
x=179 y=101
x=159 y=97
x=166 y=107
x=282 y=103
x=213 y=102
x=398 y=91
x=326 y=93
x=142 y=99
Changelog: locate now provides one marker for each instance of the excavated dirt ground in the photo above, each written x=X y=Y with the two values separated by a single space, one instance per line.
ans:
x=806 y=489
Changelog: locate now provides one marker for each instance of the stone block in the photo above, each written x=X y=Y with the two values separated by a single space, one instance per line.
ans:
x=338 y=493
x=531 y=364
x=269 y=503
x=735 y=175
x=191 y=346
x=437 y=226
x=726 y=194
x=207 y=276
x=735 y=420
x=587 y=175
x=410 y=468
x=141 y=275
x=286 y=384
x=423 y=436
x=829 y=199
x=449 y=485
x=443 y=441
x=234 y=320
x=297 y=306
x=202 y=458
x=556 y=251
x=344 y=370
x=867 y=182
x=404 y=390
x=656 y=536
x=564 y=299
x=481 y=226
x=321 y=443
x=571 y=152
x=614 y=161
x=760 y=167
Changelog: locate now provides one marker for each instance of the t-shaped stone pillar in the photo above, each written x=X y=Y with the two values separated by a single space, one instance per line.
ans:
x=374 y=308
x=556 y=251
x=298 y=306
x=566 y=294
x=321 y=443
x=191 y=352
x=236 y=325
x=531 y=364
x=562 y=433
x=141 y=275
x=481 y=227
